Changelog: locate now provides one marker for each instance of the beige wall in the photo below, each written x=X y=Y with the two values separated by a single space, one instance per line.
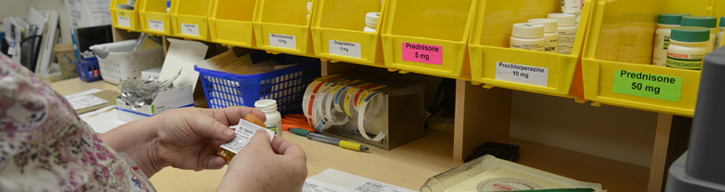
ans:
x=20 y=8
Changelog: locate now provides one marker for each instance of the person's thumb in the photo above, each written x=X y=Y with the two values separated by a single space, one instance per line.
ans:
x=260 y=141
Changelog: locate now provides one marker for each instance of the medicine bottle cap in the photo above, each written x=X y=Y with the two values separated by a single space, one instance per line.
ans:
x=528 y=30
x=690 y=34
x=550 y=25
x=671 y=18
x=565 y=19
x=168 y=4
x=699 y=21
x=371 y=19
x=309 y=6
x=722 y=24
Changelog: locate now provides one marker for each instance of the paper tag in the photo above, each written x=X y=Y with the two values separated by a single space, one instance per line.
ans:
x=189 y=29
x=244 y=132
x=524 y=74
x=422 y=53
x=156 y=25
x=347 y=49
x=84 y=101
x=647 y=85
x=282 y=41
x=124 y=21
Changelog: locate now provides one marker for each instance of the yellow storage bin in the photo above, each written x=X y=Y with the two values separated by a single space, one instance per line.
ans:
x=615 y=65
x=124 y=18
x=154 y=19
x=337 y=32
x=230 y=22
x=428 y=36
x=493 y=63
x=280 y=26
x=190 y=19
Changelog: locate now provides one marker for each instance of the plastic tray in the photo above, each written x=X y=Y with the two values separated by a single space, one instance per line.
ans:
x=190 y=19
x=154 y=19
x=125 y=19
x=230 y=22
x=88 y=69
x=280 y=26
x=489 y=46
x=613 y=24
x=436 y=33
x=343 y=22
x=287 y=86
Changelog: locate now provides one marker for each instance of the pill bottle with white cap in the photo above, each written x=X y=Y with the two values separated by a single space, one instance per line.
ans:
x=567 y=31
x=274 y=118
x=688 y=47
x=371 y=22
x=551 y=33
x=665 y=23
x=529 y=36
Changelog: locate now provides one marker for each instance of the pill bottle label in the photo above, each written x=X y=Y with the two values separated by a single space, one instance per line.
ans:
x=566 y=41
x=124 y=21
x=156 y=25
x=685 y=61
x=282 y=41
x=189 y=29
x=528 y=46
x=347 y=49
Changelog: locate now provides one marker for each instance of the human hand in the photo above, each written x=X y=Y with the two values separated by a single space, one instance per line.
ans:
x=185 y=138
x=264 y=166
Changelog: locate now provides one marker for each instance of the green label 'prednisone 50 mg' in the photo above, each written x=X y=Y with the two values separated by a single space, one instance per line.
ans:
x=647 y=85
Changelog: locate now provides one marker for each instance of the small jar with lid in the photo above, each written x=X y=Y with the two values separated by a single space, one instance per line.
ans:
x=529 y=36
x=551 y=34
x=688 y=47
x=703 y=21
x=665 y=23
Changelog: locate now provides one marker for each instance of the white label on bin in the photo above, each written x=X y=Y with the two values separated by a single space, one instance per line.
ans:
x=189 y=29
x=124 y=21
x=524 y=74
x=282 y=41
x=347 y=49
x=156 y=25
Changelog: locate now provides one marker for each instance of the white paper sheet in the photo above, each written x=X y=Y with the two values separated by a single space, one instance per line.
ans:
x=182 y=56
x=84 y=99
x=102 y=120
x=332 y=180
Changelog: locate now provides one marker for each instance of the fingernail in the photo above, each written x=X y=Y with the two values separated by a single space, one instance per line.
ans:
x=228 y=132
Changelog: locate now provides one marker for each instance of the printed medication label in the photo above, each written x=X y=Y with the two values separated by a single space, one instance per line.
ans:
x=189 y=29
x=124 y=21
x=347 y=49
x=156 y=25
x=282 y=41
x=244 y=132
x=647 y=85
x=524 y=74
x=422 y=53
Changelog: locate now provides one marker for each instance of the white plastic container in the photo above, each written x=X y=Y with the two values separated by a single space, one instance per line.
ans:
x=118 y=63
x=567 y=31
x=665 y=23
x=718 y=38
x=529 y=36
x=551 y=33
x=371 y=22
x=688 y=47
x=572 y=6
x=274 y=118
x=703 y=21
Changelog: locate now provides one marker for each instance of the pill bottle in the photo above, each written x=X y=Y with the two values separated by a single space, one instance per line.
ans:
x=529 y=36
x=719 y=36
x=168 y=6
x=551 y=34
x=371 y=22
x=703 y=21
x=573 y=7
x=636 y=39
x=567 y=31
x=665 y=23
x=228 y=155
x=274 y=118
x=688 y=47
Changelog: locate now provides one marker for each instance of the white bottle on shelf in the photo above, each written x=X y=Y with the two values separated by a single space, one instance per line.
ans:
x=720 y=34
x=551 y=34
x=688 y=48
x=567 y=31
x=665 y=23
x=529 y=36
x=274 y=118
x=371 y=22
x=703 y=21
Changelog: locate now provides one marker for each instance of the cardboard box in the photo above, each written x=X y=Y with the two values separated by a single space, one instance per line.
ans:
x=178 y=97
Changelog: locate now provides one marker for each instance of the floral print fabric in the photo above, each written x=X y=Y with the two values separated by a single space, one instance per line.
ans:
x=45 y=146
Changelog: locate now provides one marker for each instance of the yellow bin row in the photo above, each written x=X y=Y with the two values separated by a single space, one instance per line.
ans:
x=615 y=64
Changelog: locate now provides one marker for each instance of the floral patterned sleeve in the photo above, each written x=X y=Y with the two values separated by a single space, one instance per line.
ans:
x=44 y=146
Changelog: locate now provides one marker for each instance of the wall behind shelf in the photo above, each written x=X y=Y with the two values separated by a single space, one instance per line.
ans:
x=616 y=133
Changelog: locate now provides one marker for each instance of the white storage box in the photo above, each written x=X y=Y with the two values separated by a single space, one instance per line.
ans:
x=118 y=63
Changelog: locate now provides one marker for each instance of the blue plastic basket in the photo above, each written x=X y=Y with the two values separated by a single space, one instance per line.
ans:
x=287 y=86
x=88 y=69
